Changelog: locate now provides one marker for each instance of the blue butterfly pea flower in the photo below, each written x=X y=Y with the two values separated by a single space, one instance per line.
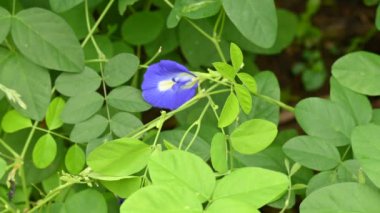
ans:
x=168 y=85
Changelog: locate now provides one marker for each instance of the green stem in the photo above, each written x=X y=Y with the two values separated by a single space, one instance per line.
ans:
x=276 y=102
x=8 y=148
x=146 y=64
x=21 y=173
x=28 y=140
x=92 y=30
x=186 y=133
x=13 y=7
x=53 y=133
x=169 y=3
x=96 y=60
x=219 y=50
x=7 y=206
x=199 y=123
x=200 y=30
x=346 y=152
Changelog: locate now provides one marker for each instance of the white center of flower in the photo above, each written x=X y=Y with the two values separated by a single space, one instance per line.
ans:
x=165 y=85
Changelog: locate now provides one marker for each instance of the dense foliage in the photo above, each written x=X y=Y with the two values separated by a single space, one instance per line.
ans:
x=79 y=80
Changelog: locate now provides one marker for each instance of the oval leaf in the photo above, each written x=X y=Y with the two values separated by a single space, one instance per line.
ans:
x=229 y=112
x=127 y=98
x=122 y=123
x=5 y=23
x=53 y=115
x=13 y=122
x=255 y=186
x=120 y=69
x=92 y=128
x=359 y=71
x=183 y=169
x=219 y=153
x=75 y=159
x=253 y=136
x=106 y=158
x=35 y=32
x=44 y=151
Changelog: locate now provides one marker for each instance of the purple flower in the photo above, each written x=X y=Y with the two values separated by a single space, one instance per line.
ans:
x=168 y=85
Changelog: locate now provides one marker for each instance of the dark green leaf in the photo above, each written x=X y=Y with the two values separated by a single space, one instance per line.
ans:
x=81 y=107
x=63 y=5
x=88 y=200
x=122 y=123
x=36 y=33
x=5 y=23
x=90 y=129
x=127 y=98
x=120 y=69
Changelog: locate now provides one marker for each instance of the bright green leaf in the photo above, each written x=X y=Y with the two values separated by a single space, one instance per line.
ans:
x=226 y=70
x=248 y=81
x=47 y=40
x=153 y=199
x=255 y=19
x=236 y=57
x=124 y=187
x=312 y=152
x=366 y=148
x=219 y=153
x=253 y=136
x=90 y=129
x=142 y=27
x=244 y=97
x=127 y=98
x=53 y=114
x=13 y=122
x=229 y=112
x=359 y=71
x=44 y=151
x=325 y=119
x=72 y=84
x=183 y=169
x=255 y=186
x=336 y=198
x=81 y=107
x=230 y=205
x=75 y=159
x=122 y=123
x=106 y=158
x=120 y=69
x=5 y=23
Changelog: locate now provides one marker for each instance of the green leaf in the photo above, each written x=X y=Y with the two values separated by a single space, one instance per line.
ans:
x=182 y=169
x=197 y=49
x=230 y=205
x=14 y=121
x=142 y=27
x=244 y=97
x=255 y=186
x=76 y=18
x=106 y=158
x=123 y=4
x=81 y=107
x=120 y=69
x=122 y=123
x=376 y=116
x=124 y=187
x=357 y=105
x=255 y=19
x=366 y=148
x=72 y=84
x=248 y=81
x=63 y=5
x=219 y=153
x=167 y=41
x=196 y=9
x=334 y=198
x=88 y=200
x=359 y=71
x=53 y=114
x=162 y=199
x=226 y=70
x=321 y=180
x=5 y=23
x=29 y=80
x=312 y=152
x=267 y=85
x=44 y=151
x=229 y=112
x=75 y=159
x=90 y=129
x=253 y=136
x=200 y=146
x=35 y=32
x=127 y=98
x=236 y=57
x=325 y=119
